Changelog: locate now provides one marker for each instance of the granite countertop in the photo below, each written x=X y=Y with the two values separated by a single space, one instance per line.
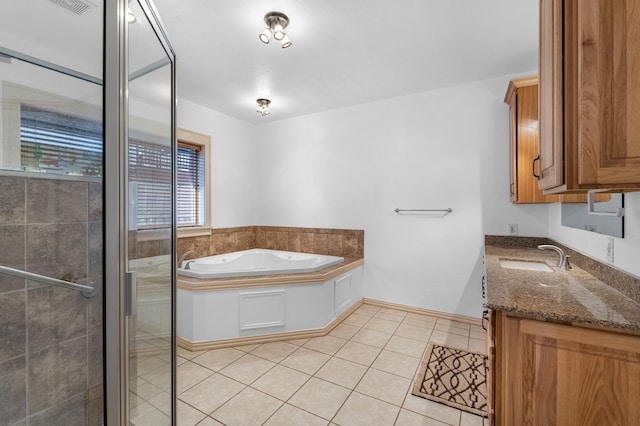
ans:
x=573 y=297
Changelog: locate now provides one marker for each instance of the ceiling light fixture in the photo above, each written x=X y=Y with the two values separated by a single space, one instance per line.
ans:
x=276 y=24
x=263 y=107
x=131 y=18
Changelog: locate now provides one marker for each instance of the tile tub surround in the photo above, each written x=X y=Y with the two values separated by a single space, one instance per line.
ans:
x=50 y=337
x=576 y=296
x=348 y=243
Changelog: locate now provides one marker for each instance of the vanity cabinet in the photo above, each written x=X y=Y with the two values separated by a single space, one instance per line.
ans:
x=543 y=373
x=522 y=98
x=589 y=97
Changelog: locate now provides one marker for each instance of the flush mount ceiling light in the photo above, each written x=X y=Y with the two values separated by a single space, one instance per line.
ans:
x=276 y=24
x=263 y=107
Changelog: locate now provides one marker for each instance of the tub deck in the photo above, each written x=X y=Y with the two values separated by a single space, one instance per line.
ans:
x=197 y=284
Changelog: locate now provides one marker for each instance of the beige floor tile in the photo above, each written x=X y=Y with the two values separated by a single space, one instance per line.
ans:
x=186 y=415
x=246 y=348
x=151 y=418
x=420 y=322
x=398 y=364
x=452 y=330
x=288 y=415
x=384 y=386
x=326 y=344
x=274 y=351
x=281 y=382
x=367 y=310
x=481 y=335
x=453 y=323
x=162 y=402
x=189 y=374
x=342 y=372
x=298 y=342
x=431 y=409
x=357 y=319
x=366 y=411
x=402 y=345
x=371 y=338
x=247 y=369
x=479 y=346
x=389 y=317
x=393 y=311
x=211 y=393
x=409 y=418
x=413 y=332
x=381 y=325
x=422 y=317
x=180 y=360
x=468 y=419
x=217 y=359
x=357 y=352
x=145 y=390
x=208 y=421
x=184 y=353
x=452 y=340
x=305 y=360
x=320 y=397
x=344 y=331
x=249 y=407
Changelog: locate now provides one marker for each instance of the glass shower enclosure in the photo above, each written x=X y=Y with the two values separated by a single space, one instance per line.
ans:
x=87 y=227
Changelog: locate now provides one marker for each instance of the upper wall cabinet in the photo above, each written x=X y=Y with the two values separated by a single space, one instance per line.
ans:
x=522 y=98
x=589 y=95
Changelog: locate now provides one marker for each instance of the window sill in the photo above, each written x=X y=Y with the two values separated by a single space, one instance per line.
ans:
x=194 y=232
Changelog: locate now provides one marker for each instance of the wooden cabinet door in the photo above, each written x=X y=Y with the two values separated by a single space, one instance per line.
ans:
x=562 y=375
x=513 y=151
x=608 y=90
x=551 y=95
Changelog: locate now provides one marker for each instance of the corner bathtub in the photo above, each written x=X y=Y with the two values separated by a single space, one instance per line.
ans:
x=255 y=296
x=256 y=262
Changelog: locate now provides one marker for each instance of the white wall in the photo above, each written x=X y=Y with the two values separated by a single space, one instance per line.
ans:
x=626 y=250
x=233 y=179
x=350 y=168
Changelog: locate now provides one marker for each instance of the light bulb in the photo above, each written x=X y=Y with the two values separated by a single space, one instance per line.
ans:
x=278 y=32
x=286 y=42
x=265 y=36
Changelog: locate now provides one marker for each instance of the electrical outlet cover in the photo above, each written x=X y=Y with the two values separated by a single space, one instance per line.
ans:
x=609 y=251
x=513 y=229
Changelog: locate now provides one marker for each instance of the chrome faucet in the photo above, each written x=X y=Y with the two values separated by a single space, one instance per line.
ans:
x=184 y=255
x=563 y=260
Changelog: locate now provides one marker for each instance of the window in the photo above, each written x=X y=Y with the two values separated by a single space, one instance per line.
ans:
x=193 y=174
x=59 y=143
x=190 y=185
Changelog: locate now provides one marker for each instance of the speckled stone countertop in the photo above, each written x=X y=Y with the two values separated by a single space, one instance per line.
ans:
x=571 y=297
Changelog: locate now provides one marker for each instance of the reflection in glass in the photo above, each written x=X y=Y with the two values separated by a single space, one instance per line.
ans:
x=150 y=223
x=575 y=215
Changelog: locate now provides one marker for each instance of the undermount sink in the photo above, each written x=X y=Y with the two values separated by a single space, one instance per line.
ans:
x=525 y=265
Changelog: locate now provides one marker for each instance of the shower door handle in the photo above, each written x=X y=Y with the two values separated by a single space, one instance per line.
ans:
x=131 y=293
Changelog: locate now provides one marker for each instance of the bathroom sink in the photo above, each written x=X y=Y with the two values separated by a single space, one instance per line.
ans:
x=525 y=265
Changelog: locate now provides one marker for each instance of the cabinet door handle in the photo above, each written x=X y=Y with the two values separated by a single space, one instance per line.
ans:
x=533 y=167
x=511 y=189
x=485 y=319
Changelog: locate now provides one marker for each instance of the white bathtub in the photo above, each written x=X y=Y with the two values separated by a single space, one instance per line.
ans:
x=256 y=262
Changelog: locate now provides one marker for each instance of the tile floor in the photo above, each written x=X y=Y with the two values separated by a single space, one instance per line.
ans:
x=359 y=374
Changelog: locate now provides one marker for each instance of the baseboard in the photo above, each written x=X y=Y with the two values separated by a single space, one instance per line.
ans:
x=267 y=338
x=422 y=311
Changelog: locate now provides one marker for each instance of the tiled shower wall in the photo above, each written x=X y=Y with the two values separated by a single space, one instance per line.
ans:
x=50 y=337
x=348 y=243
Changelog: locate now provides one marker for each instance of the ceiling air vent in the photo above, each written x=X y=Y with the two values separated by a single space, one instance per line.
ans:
x=76 y=6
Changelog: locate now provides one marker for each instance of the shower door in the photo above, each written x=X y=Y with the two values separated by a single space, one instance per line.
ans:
x=140 y=204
